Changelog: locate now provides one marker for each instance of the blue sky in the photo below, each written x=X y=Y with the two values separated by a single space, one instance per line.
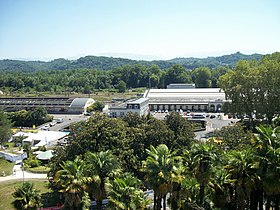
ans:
x=142 y=29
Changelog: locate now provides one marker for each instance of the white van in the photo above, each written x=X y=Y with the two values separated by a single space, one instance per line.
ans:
x=198 y=116
x=59 y=120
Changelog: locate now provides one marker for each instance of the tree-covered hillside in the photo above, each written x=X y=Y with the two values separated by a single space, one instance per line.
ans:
x=213 y=62
x=109 y=63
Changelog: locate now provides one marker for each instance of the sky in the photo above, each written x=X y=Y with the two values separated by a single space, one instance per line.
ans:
x=138 y=29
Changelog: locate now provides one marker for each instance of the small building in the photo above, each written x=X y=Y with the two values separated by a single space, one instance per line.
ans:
x=51 y=104
x=190 y=99
x=180 y=86
x=139 y=106
x=41 y=138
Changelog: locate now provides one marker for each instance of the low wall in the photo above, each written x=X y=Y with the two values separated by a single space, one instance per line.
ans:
x=13 y=157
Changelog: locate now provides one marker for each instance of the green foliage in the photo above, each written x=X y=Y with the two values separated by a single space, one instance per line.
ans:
x=72 y=182
x=182 y=129
x=233 y=137
x=202 y=77
x=29 y=118
x=177 y=74
x=5 y=127
x=87 y=74
x=240 y=173
x=124 y=193
x=121 y=86
x=108 y=63
x=26 y=197
x=31 y=161
x=253 y=88
x=97 y=106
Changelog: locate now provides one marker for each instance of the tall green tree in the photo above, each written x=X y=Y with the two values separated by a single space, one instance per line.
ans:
x=101 y=167
x=202 y=77
x=161 y=168
x=5 y=127
x=124 y=193
x=72 y=182
x=177 y=74
x=121 y=86
x=201 y=159
x=253 y=88
x=183 y=131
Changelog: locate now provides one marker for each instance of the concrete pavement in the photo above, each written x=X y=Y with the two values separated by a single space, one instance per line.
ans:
x=19 y=174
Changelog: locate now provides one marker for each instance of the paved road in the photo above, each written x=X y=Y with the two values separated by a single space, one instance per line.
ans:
x=19 y=174
x=67 y=120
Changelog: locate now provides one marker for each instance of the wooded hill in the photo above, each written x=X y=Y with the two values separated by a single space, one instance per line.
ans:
x=109 y=63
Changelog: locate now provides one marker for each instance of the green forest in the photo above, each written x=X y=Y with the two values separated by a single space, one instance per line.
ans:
x=86 y=76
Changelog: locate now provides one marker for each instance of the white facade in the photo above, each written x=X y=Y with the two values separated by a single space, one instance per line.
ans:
x=139 y=106
x=196 y=99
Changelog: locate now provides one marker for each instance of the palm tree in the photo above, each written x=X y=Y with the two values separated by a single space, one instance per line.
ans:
x=243 y=167
x=161 y=172
x=124 y=193
x=72 y=182
x=221 y=185
x=100 y=167
x=202 y=158
x=27 y=197
x=267 y=145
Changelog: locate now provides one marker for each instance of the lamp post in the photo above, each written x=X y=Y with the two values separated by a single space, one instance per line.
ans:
x=22 y=167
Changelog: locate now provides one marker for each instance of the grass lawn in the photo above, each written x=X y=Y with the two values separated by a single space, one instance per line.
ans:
x=98 y=95
x=6 y=166
x=7 y=188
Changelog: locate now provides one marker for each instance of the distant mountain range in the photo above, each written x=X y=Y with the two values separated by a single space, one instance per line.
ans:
x=108 y=63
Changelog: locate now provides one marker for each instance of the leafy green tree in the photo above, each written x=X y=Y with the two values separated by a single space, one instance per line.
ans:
x=201 y=159
x=27 y=197
x=242 y=166
x=267 y=145
x=182 y=129
x=100 y=167
x=5 y=127
x=233 y=137
x=72 y=182
x=253 y=88
x=221 y=187
x=96 y=106
x=161 y=171
x=202 y=77
x=121 y=86
x=177 y=74
x=124 y=193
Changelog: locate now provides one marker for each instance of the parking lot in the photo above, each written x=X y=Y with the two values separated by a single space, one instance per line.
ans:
x=214 y=121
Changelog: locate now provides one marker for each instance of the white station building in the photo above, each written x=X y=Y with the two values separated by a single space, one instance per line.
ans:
x=140 y=106
x=189 y=99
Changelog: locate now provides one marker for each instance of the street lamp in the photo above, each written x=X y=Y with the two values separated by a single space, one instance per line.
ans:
x=22 y=167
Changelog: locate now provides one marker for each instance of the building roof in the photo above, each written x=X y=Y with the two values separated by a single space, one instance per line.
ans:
x=138 y=101
x=44 y=136
x=80 y=102
x=45 y=155
x=185 y=95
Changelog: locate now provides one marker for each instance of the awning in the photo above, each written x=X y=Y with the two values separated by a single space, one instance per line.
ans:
x=45 y=155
